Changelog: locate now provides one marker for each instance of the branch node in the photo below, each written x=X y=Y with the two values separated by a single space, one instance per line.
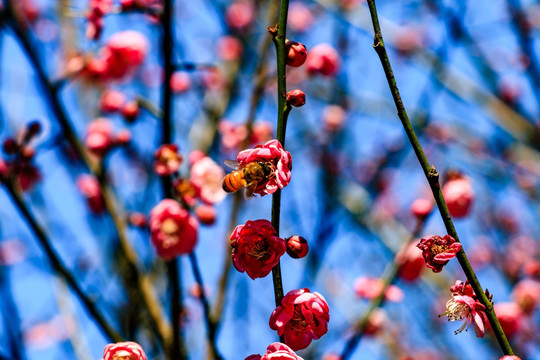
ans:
x=273 y=30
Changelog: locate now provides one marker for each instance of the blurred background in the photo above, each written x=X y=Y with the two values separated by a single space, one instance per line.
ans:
x=469 y=76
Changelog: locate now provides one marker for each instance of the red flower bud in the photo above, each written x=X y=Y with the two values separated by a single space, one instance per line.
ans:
x=297 y=247
x=130 y=111
x=112 y=101
x=206 y=214
x=296 y=98
x=296 y=53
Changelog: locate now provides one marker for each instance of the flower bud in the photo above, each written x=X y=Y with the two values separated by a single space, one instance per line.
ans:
x=296 y=53
x=296 y=98
x=123 y=137
x=130 y=111
x=10 y=146
x=459 y=195
x=323 y=59
x=138 y=219
x=180 y=82
x=297 y=247
x=112 y=101
x=206 y=214
x=421 y=208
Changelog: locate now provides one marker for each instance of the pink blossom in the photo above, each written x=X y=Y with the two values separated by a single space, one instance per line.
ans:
x=370 y=288
x=173 y=230
x=180 y=82
x=99 y=136
x=300 y=17
x=323 y=59
x=411 y=262
x=438 y=251
x=459 y=195
x=112 y=101
x=333 y=117
x=526 y=294
x=297 y=247
x=195 y=156
x=97 y=9
x=229 y=48
x=277 y=158
x=465 y=305
x=510 y=317
x=261 y=132
x=276 y=351
x=301 y=317
x=240 y=14
x=256 y=248
x=88 y=185
x=421 y=208
x=124 y=52
x=207 y=176
x=510 y=357
x=232 y=135
x=167 y=161
x=138 y=219
x=128 y=350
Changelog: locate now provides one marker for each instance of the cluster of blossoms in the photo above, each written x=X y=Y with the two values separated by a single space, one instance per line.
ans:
x=122 y=54
x=114 y=101
x=18 y=163
x=256 y=249
x=127 y=350
x=101 y=138
x=465 y=305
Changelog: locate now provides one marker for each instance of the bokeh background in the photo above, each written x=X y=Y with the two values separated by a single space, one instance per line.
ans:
x=469 y=76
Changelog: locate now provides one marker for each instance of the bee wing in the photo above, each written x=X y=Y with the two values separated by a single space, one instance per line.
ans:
x=233 y=164
x=250 y=189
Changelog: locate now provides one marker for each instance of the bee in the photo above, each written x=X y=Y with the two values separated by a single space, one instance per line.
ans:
x=247 y=176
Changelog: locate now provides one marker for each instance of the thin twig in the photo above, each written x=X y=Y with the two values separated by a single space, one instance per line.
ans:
x=433 y=179
x=57 y=263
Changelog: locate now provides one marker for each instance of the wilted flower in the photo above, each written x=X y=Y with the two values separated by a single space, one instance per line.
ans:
x=301 y=317
x=276 y=351
x=207 y=176
x=167 y=161
x=128 y=350
x=296 y=53
x=465 y=305
x=173 y=230
x=459 y=195
x=438 y=251
x=323 y=59
x=272 y=152
x=256 y=248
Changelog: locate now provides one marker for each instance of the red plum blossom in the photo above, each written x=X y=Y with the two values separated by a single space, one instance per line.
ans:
x=276 y=351
x=465 y=305
x=323 y=59
x=438 y=251
x=271 y=152
x=173 y=230
x=301 y=317
x=207 y=176
x=127 y=350
x=256 y=248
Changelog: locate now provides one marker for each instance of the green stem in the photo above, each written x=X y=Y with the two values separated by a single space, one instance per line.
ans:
x=283 y=111
x=433 y=179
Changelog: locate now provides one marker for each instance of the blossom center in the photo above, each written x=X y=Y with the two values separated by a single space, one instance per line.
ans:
x=169 y=227
x=438 y=248
x=298 y=322
x=259 y=249
x=455 y=310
